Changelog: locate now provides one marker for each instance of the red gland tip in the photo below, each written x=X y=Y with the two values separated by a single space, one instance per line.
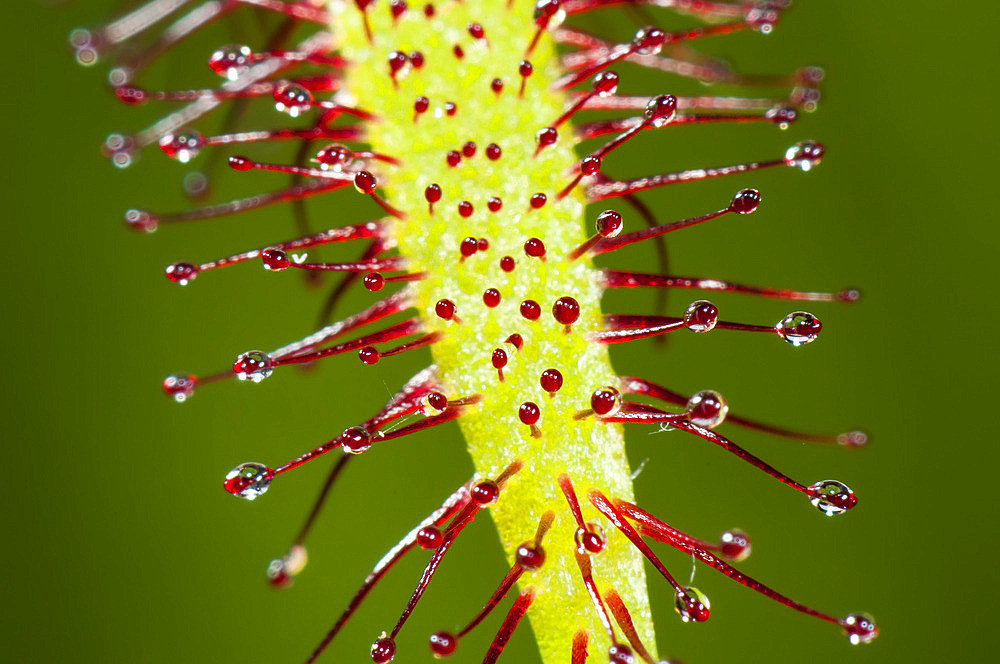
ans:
x=745 y=201
x=445 y=309
x=240 y=163
x=545 y=137
x=397 y=8
x=590 y=165
x=429 y=538
x=420 y=105
x=566 y=310
x=551 y=380
x=530 y=310
x=397 y=60
x=434 y=403
x=365 y=182
x=590 y=539
x=529 y=413
x=485 y=493
x=606 y=401
x=442 y=644
x=369 y=355
x=469 y=245
x=374 y=281
x=275 y=260
x=534 y=247
x=383 y=650
x=530 y=556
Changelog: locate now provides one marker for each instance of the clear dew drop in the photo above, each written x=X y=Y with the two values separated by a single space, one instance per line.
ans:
x=856 y=438
x=143 y=221
x=230 y=61
x=799 y=328
x=335 y=157
x=782 y=116
x=648 y=41
x=249 y=480
x=281 y=572
x=179 y=388
x=120 y=149
x=356 y=440
x=292 y=99
x=701 y=316
x=691 y=604
x=181 y=273
x=660 y=110
x=735 y=545
x=277 y=574
x=831 y=497
x=804 y=155
x=253 y=366
x=860 y=628
x=119 y=76
x=707 y=408
x=763 y=18
x=183 y=146
x=82 y=41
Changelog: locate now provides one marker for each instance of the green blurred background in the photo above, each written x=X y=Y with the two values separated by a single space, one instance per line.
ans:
x=120 y=545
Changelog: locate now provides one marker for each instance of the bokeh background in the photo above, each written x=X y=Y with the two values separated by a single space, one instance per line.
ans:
x=120 y=546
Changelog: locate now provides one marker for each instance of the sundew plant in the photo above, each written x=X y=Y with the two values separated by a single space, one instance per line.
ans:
x=486 y=131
